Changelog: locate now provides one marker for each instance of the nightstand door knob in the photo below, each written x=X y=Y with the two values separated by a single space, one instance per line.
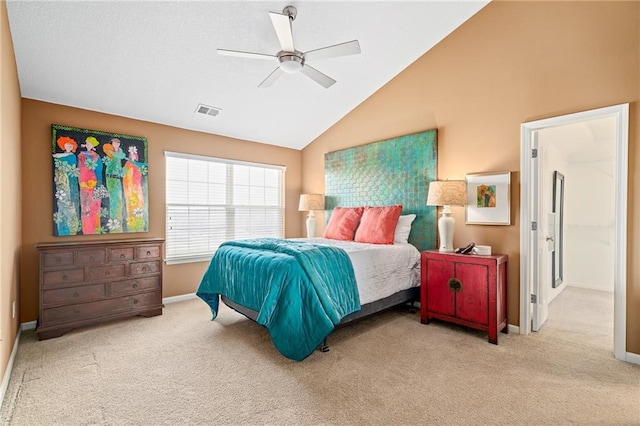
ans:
x=455 y=284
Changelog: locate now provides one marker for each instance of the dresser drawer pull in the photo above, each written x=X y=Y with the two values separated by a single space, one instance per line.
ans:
x=148 y=253
x=455 y=284
x=135 y=285
x=135 y=301
x=122 y=256
x=107 y=273
x=144 y=269
x=64 y=277
x=75 y=311
x=76 y=294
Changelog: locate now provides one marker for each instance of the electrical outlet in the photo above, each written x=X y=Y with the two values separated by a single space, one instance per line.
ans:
x=13 y=309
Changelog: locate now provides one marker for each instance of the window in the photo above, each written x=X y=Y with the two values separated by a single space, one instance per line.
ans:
x=211 y=200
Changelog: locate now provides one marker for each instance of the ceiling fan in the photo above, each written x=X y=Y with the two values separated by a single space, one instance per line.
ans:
x=289 y=59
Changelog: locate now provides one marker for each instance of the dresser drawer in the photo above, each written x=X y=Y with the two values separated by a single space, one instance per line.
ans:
x=143 y=268
x=91 y=257
x=135 y=286
x=121 y=254
x=74 y=294
x=60 y=278
x=106 y=272
x=84 y=311
x=148 y=252
x=58 y=259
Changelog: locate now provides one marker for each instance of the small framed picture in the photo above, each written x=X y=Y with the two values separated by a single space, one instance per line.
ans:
x=488 y=199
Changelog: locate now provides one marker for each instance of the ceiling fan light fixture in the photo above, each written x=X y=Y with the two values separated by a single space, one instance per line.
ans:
x=290 y=63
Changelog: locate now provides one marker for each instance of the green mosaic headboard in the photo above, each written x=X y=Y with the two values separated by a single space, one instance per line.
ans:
x=393 y=171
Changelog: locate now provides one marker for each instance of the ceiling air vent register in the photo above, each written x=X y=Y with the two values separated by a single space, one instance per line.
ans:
x=208 y=110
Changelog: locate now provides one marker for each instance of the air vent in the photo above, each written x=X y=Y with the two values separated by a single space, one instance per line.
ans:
x=207 y=110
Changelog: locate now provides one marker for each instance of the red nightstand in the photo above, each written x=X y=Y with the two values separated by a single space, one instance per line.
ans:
x=465 y=289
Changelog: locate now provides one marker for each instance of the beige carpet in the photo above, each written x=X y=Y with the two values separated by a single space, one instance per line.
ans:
x=583 y=315
x=181 y=368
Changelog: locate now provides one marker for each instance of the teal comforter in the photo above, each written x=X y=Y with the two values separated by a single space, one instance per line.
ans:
x=300 y=290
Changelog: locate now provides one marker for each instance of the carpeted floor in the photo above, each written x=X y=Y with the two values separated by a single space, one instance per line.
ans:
x=182 y=368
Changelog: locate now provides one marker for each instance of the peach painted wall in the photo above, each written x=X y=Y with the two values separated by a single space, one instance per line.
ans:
x=511 y=63
x=10 y=206
x=37 y=118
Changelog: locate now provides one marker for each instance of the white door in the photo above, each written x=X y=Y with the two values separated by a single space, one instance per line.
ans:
x=532 y=315
x=540 y=279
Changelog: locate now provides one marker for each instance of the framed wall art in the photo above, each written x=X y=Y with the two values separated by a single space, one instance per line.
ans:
x=99 y=182
x=488 y=199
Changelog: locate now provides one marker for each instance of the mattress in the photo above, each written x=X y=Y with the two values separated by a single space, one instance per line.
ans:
x=380 y=269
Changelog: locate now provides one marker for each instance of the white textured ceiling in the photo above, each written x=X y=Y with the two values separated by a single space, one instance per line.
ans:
x=156 y=60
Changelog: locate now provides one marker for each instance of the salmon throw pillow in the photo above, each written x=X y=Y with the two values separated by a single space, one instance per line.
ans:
x=378 y=224
x=343 y=223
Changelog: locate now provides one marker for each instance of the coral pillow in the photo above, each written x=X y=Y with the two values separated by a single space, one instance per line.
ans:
x=343 y=223
x=378 y=225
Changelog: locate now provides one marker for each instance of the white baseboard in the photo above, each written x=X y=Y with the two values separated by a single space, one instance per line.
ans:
x=180 y=298
x=513 y=328
x=31 y=325
x=632 y=358
x=9 y=370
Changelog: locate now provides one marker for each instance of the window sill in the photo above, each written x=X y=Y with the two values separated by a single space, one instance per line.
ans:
x=187 y=259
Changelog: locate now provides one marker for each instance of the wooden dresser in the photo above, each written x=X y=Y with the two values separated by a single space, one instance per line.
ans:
x=465 y=289
x=84 y=283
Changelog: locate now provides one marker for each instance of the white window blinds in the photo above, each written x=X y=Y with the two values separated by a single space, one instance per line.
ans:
x=211 y=200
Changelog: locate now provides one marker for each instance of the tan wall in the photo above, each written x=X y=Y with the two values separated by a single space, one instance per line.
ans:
x=10 y=205
x=37 y=118
x=511 y=63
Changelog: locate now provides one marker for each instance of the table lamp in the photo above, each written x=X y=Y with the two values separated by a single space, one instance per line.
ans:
x=311 y=202
x=447 y=193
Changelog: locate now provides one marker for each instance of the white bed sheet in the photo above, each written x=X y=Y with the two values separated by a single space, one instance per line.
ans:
x=381 y=269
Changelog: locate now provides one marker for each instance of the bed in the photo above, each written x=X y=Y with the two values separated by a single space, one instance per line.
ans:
x=300 y=293
x=364 y=270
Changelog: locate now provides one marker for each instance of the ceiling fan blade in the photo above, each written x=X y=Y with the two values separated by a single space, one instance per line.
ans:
x=315 y=75
x=347 y=48
x=282 y=25
x=239 y=54
x=271 y=78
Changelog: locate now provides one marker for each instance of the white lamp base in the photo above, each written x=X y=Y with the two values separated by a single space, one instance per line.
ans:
x=446 y=226
x=311 y=225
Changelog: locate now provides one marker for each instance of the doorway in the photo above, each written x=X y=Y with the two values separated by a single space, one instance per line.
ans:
x=547 y=153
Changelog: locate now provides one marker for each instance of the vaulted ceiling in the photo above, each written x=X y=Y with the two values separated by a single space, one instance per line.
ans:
x=156 y=60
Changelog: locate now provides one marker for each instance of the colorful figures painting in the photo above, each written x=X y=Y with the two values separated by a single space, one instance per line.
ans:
x=99 y=182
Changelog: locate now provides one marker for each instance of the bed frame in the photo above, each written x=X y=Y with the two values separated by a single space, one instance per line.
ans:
x=408 y=296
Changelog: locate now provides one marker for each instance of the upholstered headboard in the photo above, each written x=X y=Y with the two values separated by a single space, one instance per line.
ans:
x=392 y=171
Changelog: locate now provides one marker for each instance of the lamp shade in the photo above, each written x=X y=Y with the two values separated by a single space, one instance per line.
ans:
x=447 y=193
x=310 y=202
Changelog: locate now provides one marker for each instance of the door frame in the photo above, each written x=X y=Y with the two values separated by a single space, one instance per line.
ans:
x=528 y=214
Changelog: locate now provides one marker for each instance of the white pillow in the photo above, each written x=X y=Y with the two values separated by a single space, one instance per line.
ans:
x=403 y=228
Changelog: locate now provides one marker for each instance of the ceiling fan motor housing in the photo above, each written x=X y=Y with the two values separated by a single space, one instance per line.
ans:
x=290 y=62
